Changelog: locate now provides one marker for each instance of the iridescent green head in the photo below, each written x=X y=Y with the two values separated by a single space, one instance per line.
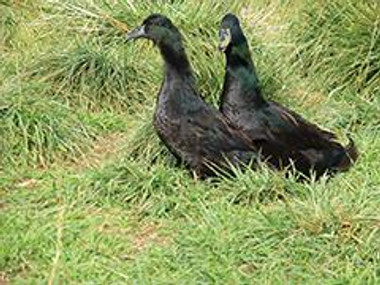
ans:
x=157 y=28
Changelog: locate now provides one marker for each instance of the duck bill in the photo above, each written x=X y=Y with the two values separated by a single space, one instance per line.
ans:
x=136 y=33
x=224 y=39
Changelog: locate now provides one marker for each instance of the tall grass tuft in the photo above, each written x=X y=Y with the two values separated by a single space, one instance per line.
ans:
x=35 y=129
x=340 y=42
x=94 y=74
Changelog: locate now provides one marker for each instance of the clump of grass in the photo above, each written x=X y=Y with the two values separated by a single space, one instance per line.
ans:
x=8 y=25
x=249 y=187
x=324 y=34
x=143 y=141
x=35 y=128
x=93 y=73
x=5 y=69
x=148 y=188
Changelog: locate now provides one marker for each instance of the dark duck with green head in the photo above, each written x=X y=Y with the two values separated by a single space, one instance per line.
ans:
x=196 y=133
x=285 y=138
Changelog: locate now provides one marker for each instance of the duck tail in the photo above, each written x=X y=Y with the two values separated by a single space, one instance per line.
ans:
x=349 y=157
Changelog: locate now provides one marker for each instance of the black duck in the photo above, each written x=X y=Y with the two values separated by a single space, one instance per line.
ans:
x=286 y=138
x=196 y=133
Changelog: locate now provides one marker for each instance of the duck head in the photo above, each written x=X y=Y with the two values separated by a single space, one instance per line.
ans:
x=230 y=32
x=157 y=28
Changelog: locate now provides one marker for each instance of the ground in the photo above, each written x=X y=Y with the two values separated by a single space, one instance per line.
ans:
x=88 y=194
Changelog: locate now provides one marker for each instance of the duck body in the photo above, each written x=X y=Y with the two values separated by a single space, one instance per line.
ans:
x=285 y=138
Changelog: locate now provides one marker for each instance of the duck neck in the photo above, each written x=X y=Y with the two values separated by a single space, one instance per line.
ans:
x=178 y=93
x=177 y=65
x=240 y=71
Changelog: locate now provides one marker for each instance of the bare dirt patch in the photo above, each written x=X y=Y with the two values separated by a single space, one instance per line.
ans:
x=149 y=234
x=3 y=279
x=103 y=149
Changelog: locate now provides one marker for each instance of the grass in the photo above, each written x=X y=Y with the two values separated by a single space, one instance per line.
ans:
x=90 y=195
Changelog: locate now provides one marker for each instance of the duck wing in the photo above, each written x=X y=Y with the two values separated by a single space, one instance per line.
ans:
x=214 y=140
x=297 y=122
